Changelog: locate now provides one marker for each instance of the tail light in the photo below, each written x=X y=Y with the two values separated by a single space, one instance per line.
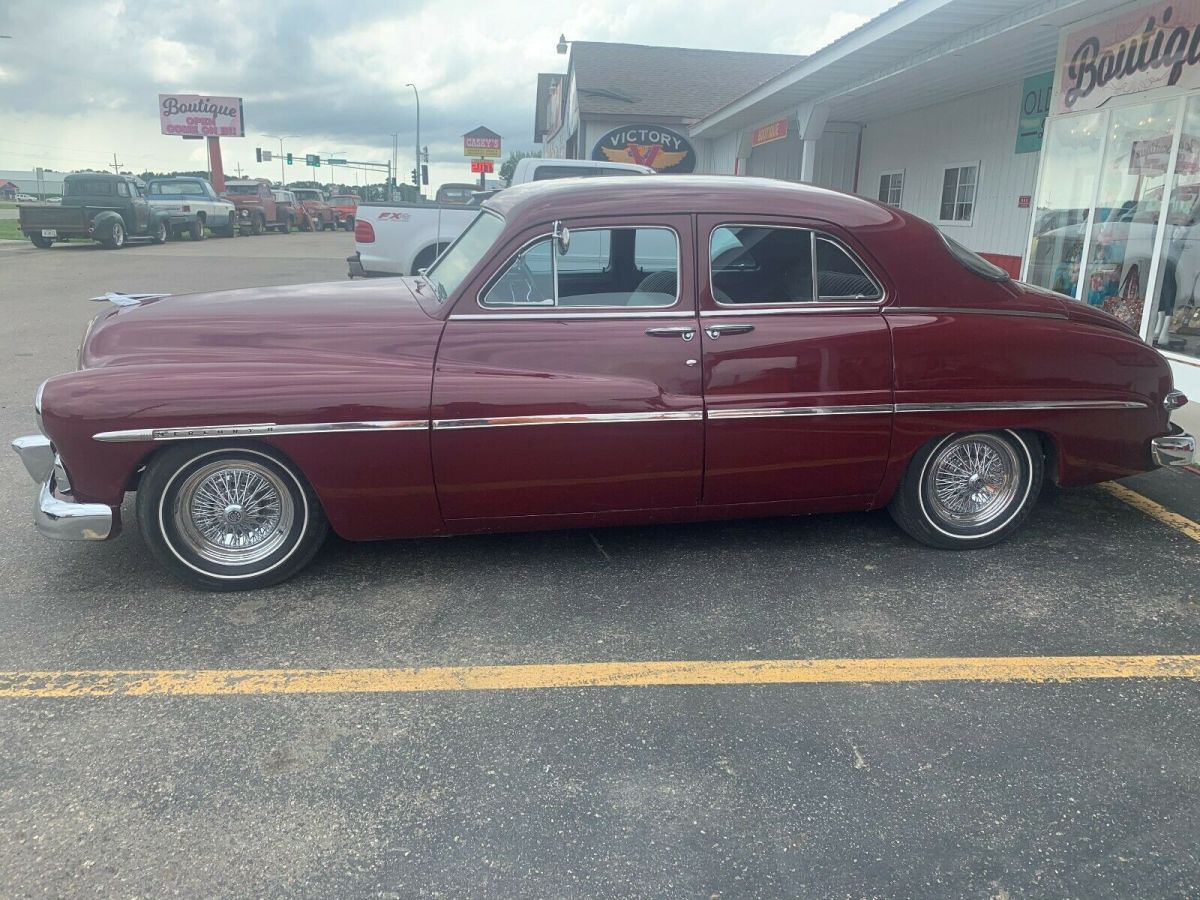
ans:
x=363 y=232
x=187 y=207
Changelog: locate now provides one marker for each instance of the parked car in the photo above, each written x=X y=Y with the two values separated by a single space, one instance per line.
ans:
x=195 y=199
x=25 y=198
x=289 y=207
x=321 y=216
x=256 y=207
x=97 y=206
x=800 y=351
x=404 y=238
x=346 y=206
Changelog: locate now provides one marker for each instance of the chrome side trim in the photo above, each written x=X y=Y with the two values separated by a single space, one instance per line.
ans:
x=955 y=310
x=580 y=419
x=1004 y=405
x=809 y=308
x=767 y=412
x=257 y=430
x=616 y=314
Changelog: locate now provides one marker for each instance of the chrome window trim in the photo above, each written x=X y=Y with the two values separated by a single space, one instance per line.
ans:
x=571 y=419
x=615 y=314
x=808 y=308
x=789 y=305
x=554 y=269
x=954 y=310
x=263 y=429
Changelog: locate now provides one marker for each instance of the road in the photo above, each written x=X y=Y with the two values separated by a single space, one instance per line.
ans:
x=978 y=784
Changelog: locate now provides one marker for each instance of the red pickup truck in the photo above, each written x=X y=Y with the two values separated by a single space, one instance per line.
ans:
x=345 y=205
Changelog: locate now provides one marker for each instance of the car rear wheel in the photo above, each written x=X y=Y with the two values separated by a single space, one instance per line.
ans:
x=197 y=230
x=44 y=242
x=161 y=232
x=967 y=490
x=114 y=239
x=229 y=518
x=348 y=224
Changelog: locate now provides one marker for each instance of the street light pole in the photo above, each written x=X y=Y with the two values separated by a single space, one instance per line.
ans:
x=280 y=138
x=418 y=169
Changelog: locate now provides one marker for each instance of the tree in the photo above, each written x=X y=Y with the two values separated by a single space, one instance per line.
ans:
x=510 y=165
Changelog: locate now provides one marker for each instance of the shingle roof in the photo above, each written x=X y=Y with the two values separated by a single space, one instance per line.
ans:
x=666 y=81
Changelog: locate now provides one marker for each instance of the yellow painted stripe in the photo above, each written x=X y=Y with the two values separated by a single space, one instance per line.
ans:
x=1182 y=524
x=229 y=682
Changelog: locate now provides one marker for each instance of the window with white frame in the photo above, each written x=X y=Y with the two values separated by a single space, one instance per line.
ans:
x=958 y=193
x=891 y=188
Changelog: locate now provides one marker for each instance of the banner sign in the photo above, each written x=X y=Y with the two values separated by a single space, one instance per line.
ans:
x=481 y=142
x=776 y=131
x=1035 y=104
x=1154 y=46
x=195 y=115
x=660 y=148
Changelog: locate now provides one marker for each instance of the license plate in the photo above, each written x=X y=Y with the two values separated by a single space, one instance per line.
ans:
x=49 y=232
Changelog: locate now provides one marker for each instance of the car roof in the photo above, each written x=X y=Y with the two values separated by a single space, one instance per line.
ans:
x=542 y=201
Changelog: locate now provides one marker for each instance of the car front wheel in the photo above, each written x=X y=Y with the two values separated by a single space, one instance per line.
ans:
x=971 y=489
x=229 y=518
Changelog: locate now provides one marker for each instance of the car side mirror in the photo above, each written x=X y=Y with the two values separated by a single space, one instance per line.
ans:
x=562 y=238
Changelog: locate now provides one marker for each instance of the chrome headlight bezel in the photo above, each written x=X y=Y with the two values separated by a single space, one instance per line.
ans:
x=37 y=407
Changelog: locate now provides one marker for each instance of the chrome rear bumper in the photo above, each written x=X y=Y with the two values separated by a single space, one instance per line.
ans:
x=1175 y=449
x=54 y=514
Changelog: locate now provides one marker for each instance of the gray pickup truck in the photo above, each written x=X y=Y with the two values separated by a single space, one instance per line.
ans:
x=97 y=206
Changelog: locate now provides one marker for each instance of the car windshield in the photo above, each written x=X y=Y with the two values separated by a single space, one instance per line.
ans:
x=346 y=201
x=176 y=189
x=250 y=189
x=464 y=254
x=308 y=195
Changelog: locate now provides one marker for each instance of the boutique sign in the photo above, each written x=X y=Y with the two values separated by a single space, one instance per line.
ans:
x=195 y=115
x=661 y=149
x=1154 y=46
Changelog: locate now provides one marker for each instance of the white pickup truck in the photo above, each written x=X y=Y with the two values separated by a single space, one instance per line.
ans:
x=404 y=238
x=194 y=205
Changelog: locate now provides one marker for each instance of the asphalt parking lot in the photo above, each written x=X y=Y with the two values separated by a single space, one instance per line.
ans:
x=428 y=776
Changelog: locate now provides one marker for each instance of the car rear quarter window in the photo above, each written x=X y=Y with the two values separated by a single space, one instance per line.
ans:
x=92 y=187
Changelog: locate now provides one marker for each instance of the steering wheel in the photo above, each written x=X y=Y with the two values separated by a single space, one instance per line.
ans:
x=521 y=284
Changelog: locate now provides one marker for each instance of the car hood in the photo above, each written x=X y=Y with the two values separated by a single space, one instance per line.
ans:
x=337 y=323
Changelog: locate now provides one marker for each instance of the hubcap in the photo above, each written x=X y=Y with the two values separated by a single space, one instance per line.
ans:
x=234 y=512
x=972 y=480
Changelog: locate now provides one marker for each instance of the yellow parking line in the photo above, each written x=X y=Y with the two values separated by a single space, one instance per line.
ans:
x=228 y=682
x=1182 y=524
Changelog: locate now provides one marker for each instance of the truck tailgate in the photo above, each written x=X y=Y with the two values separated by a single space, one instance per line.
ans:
x=51 y=215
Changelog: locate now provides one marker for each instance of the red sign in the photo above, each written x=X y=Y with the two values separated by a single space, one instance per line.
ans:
x=776 y=131
x=1023 y=201
x=483 y=166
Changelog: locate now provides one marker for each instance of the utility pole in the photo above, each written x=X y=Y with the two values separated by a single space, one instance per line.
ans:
x=280 y=138
x=116 y=165
x=239 y=168
x=418 y=98
x=391 y=192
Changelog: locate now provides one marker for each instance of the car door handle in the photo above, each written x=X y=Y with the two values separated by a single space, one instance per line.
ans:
x=715 y=331
x=685 y=332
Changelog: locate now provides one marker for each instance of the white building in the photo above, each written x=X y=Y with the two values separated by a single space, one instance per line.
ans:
x=939 y=106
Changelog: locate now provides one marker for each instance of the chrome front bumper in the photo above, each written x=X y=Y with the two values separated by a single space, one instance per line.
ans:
x=1175 y=449
x=54 y=514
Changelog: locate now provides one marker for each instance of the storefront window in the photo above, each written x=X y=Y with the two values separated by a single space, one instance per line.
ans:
x=1175 y=315
x=1128 y=204
x=1071 y=158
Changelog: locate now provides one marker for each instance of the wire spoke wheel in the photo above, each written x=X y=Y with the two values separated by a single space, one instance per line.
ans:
x=972 y=480
x=234 y=512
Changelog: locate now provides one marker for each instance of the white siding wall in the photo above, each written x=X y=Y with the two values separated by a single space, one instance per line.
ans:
x=717 y=156
x=837 y=156
x=923 y=143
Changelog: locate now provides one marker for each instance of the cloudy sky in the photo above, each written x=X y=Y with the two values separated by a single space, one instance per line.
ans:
x=79 y=79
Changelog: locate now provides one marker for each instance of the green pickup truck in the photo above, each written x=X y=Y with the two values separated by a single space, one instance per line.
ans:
x=96 y=206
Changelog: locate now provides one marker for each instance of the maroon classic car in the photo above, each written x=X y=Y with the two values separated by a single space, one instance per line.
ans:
x=592 y=353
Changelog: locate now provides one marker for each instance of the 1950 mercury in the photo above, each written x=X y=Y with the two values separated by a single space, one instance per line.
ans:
x=617 y=350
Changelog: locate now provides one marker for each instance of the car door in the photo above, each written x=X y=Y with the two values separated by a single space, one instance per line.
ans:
x=141 y=208
x=798 y=381
x=569 y=383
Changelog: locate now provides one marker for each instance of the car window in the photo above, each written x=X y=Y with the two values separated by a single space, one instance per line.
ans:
x=122 y=189
x=176 y=189
x=839 y=276
x=753 y=264
x=599 y=270
x=89 y=186
x=468 y=249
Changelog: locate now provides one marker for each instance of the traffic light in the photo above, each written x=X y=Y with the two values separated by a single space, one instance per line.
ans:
x=424 y=174
x=258 y=154
x=289 y=159
x=412 y=176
